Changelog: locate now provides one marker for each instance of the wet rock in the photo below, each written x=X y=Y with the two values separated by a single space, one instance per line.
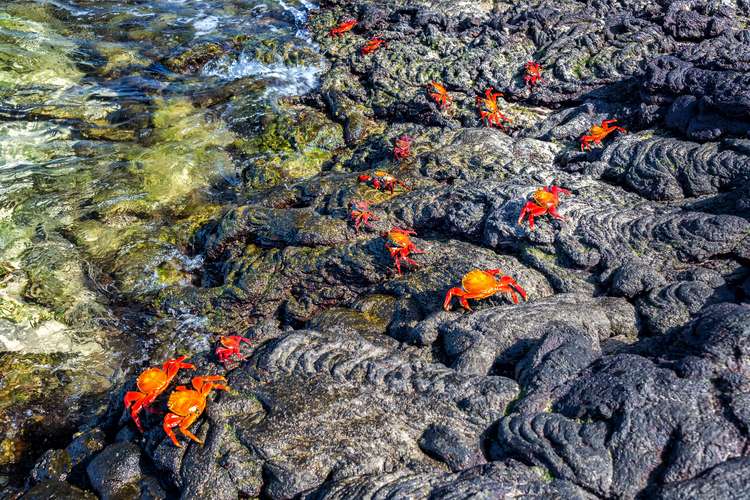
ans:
x=295 y=142
x=54 y=465
x=623 y=376
x=193 y=59
x=58 y=465
x=57 y=489
x=116 y=471
x=43 y=398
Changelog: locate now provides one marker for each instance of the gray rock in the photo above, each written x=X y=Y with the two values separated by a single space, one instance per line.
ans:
x=116 y=471
x=497 y=338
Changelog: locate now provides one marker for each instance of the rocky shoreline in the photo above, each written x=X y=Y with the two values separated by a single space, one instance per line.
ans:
x=626 y=373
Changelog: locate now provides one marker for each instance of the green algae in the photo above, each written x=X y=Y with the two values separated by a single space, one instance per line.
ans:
x=294 y=144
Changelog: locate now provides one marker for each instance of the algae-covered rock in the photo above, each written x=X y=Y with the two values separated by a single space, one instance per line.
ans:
x=43 y=398
x=294 y=143
x=195 y=58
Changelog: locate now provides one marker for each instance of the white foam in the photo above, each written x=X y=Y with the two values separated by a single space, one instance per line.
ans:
x=288 y=80
x=205 y=25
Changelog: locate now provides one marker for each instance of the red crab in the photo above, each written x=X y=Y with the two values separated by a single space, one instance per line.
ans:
x=480 y=284
x=186 y=405
x=597 y=133
x=489 y=110
x=440 y=95
x=545 y=201
x=151 y=383
x=230 y=346
x=402 y=148
x=372 y=45
x=360 y=214
x=343 y=27
x=533 y=73
x=399 y=245
x=382 y=180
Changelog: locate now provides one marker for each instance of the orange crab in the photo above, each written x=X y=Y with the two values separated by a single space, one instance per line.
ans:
x=545 y=201
x=480 y=284
x=186 y=405
x=230 y=346
x=151 y=383
x=489 y=111
x=440 y=95
x=533 y=73
x=399 y=245
x=597 y=133
x=372 y=45
x=382 y=180
x=342 y=28
x=360 y=214
x=402 y=148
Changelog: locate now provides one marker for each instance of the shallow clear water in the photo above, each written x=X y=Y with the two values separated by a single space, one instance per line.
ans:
x=114 y=147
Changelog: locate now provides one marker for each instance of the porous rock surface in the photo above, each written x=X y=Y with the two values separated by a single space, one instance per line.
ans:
x=626 y=373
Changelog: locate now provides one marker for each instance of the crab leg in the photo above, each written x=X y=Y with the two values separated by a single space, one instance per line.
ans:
x=170 y=421
x=397 y=263
x=557 y=190
x=184 y=429
x=554 y=213
x=461 y=294
x=411 y=261
x=509 y=285
x=137 y=399
x=219 y=387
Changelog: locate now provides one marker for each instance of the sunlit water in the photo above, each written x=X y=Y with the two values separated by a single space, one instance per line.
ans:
x=109 y=158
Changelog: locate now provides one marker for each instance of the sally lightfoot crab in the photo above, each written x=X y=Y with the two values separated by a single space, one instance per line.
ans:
x=360 y=214
x=399 y=245
x=489 y=111
x=533 y=74
x=402 y=148
x=230 y=346
x=439 y=95
x=151 y=383
x=372 y=45
x=186 y=405
x=544 y=201
x=382 y=181
x=597 y=133
x=480 y=284
x=342 y=28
